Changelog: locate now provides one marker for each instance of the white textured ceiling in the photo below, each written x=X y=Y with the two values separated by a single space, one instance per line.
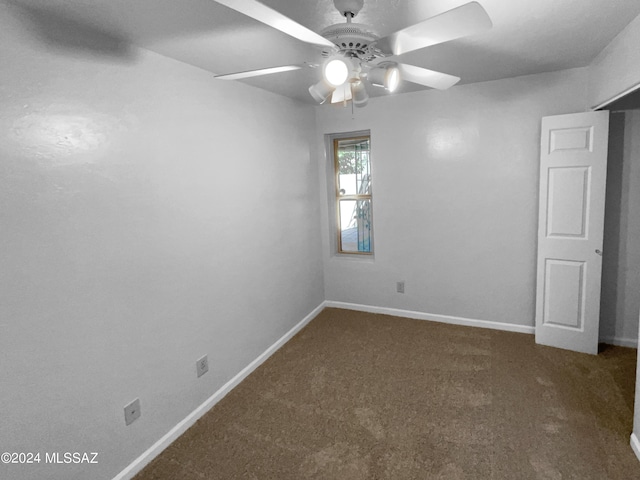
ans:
x=528 y=36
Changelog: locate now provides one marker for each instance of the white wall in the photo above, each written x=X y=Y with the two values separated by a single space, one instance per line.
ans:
x=143 y=224
x=617 y=67
x=632 y=150
x=455 y=185
x=620 y=301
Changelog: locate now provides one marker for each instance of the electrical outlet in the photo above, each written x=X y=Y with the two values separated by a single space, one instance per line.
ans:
x=202 y=366
x=132 y=412
x=400 y=287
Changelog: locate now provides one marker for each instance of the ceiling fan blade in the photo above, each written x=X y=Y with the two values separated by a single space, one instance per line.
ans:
x=268 y=16
x=342 y=93
x=257 y=73
x=458 y=22
x=428 y=78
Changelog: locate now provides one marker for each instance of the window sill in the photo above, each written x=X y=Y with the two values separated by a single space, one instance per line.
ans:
x=353 y=257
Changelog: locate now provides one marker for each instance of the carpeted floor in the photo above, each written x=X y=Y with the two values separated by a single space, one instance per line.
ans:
x=363 y=396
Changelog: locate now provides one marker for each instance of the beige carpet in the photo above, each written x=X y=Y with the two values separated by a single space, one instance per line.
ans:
x=363 y=396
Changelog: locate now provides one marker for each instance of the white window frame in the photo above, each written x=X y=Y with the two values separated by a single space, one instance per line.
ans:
x=334 y=194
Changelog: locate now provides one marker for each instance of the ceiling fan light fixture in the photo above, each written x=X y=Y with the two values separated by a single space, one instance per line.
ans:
x=388 y=77
x=336 y=71
x=359 y=94
x=321 y=91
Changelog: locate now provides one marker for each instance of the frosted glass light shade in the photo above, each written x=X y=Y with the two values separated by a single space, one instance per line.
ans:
x=392 y=79
x=359 y=93
x=321 y=90
x=336 y=71
x=388 y=78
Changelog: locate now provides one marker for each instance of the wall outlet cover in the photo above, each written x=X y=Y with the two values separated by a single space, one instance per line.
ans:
x=202 y=365
x=132 y=412
x=400 y=287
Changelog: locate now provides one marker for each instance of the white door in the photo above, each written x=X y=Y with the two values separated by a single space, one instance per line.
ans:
x=573 y=171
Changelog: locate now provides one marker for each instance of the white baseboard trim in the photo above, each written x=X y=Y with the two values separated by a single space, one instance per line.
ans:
x=469 y=322
x=635 y=445
x=143 y=460
x=620 y=341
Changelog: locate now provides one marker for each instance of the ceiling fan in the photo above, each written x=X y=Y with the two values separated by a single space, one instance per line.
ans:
x=354 y=54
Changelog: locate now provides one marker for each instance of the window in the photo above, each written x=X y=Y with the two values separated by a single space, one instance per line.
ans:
x=353 y=194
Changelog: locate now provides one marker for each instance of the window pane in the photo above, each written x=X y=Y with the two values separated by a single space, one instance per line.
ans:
x=354 y=169
x=355 y=225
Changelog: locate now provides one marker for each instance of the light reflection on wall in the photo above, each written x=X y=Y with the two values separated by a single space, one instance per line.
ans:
x=64 y=137
x=448 y=139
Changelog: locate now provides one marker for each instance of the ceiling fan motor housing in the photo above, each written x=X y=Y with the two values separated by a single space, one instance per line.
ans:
x=353 y=40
